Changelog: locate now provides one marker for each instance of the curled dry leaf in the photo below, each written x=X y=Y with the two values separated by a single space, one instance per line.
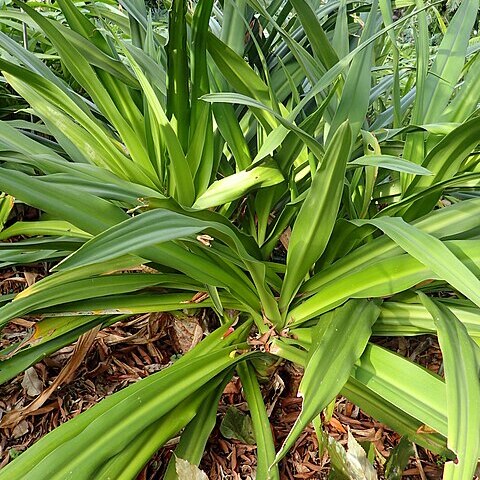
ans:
x=186 y=333
x=21 y=429
x=31 y=383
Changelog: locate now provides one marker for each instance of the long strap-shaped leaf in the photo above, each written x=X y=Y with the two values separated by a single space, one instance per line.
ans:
x=433 y=254
x=445 y=222
x=353 y=105
x=441 y=80
x=86 y=76
x=461 y=359
x=382 y=278
x=399 y=319
x=316 y=218
x=86 y=211
x=80 y=290
x=195 y=436
x=377 y=390
x=181 y=176
x=148 y=399
x=445 y=159
x=261 y=424
x=343 y=335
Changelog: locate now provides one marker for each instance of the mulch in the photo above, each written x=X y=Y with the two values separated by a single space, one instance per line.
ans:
x=130 y=350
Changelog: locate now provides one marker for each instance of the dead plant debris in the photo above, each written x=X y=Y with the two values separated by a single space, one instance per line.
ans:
x=37 y=401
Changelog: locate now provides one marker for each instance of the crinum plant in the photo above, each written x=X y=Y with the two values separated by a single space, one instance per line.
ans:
x=312 y=178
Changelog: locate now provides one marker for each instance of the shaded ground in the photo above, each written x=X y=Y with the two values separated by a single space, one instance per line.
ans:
x=124 y=353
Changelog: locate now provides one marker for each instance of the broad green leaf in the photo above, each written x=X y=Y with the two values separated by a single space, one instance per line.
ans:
x=412 y=388
x=460 y=357
x=86 y=76
x=433 y=253
x=380 y=278
x=399 y=319
x=128 y=463
x=235 y=186
x=106 y=429
x=6 y=205
x=449 y=61
x=181 y=176
x=398 y=459
x=241 y=76
x=344 y=333
x=78 y=290
x=391 y=163
x=233 y=25
x=45 y=227
x=149 y=228
x=261 y=424
x=317 y=37
x=141 y=303
x=85 y=211
x=195 y=436
x=354 y=100
x=178 y=101
x=445 y=159
x=317 y=215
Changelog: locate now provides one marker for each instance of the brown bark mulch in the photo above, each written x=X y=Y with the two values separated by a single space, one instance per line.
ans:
x=128 y=351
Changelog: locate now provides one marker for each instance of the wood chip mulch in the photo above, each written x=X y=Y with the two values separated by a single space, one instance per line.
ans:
x=128 y=351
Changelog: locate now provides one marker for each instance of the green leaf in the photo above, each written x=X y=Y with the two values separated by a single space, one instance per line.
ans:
x=375 y=278
x=78 y=290
x=398 y=459
x=181 y=186
x=149 y=228
x=342 y=333
x=235 y=186
x=461 y=360
x=317 y=216
x=391 y=163
x=93 y=437
x=316 y=35
x=399 y=319
x=449 y=61
x=178 y=101
x=85 y=211
x=238 y=426
x=45 y=227
x=260 y=422
x=382 y=379
x=195 y=436
x=433 y=253
x=6 y=205
x=446 y=158
x=354 y=102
